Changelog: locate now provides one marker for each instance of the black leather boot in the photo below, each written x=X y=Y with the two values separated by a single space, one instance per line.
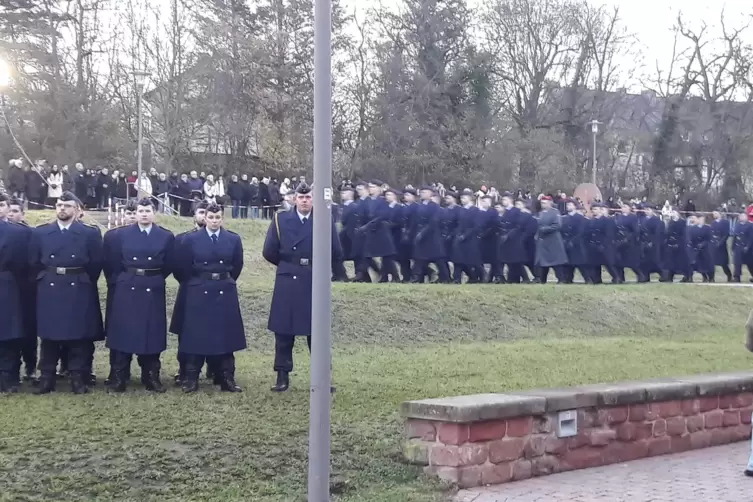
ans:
x=191 y=382
x=117 y=381
x=227 y=383
x=46 y=384
x=283 y=382
x=79 y=382
x=152 y=382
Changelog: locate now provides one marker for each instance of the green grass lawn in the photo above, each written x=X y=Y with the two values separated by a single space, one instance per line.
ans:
x=392 y=342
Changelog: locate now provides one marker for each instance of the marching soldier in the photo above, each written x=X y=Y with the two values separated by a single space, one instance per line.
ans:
x=600 y=236
x=719 y=238
x=406 y=220
x=137 y=264
x=550 y=251
x=466 y=254
x=652 y=242
x=376 y=234
x=511 y=246
x=676 y=260
x=529 y=227
x=211 y=260
x=349 y=220
x=13 y=272
x=67 y=259
x=427 y=247
x=289 y=246
x=573 y=235
x=27 y=286
x=489 y=240
x=699 y=248
x=176 y=321
x=741 y=247
x=627 y=243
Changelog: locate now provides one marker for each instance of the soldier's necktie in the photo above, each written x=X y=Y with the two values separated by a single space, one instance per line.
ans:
x=214 y=238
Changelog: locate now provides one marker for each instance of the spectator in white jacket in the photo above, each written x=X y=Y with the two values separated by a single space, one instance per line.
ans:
x=144 y=186
x=54 y=186
x=212 y=189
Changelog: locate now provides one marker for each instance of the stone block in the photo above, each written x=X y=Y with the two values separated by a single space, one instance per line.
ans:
x=713 y=419
x=447 y=474
x=564 y=399
x=522 y=469
x=535 y=446
x=731 y=417
x=668 y=389
x=691 y=407
x=544 y=424
x=721 y=384
x=582 y=458
x=659 y=446
x=602 y=437
x=637 y=412
x=616 y=394
x=555 y=445
x=458 y=456
x=625 y=452
x=722 y=435
x=679 y=444
x=542 y=466
x=615 y=415
x=495 y=474
x=471 y=476
x=727 y=402
x=660 y=428
x=694 y=423
x=665 y=409
x=708 y=403
x=745 y=415
x=487 y=430
x=416 y=451
x=420 y=429
x=519 y=427
x=676 y=426
x=506 y=450
x=700 y=439
x=473 y=408
x=587 y=418
x=583 y=438
x=742 y=432
x=452 y=433
x=744 y=400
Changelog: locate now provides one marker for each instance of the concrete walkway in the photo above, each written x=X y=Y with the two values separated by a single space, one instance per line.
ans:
x=706 y=475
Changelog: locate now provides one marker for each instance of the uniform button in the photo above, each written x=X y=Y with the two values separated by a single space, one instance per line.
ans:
x=222 y=292
x=206 y=292
x=294 y=277
x=134 y=258
x=132 y=289
x=221 y=262
x=294 y=248
x=52 y=256
x=73 y=284
x=52 y=284
x=73 y=256
x=149 y=258
x=205 y=263
x=148 y=290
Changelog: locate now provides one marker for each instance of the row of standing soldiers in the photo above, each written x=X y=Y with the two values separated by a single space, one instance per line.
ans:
x=49 y=291
x=418 y=234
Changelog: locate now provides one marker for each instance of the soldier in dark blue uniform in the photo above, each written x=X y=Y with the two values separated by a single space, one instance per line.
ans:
x=377 y=235
x=129 y=218
x=530 y=227
x=675 y=255
x=511 y=246
x=573 y=235
x=742 y=245
x=13 y=272
x=600 y=236
x=176 y=321
x=364 y=264
x=394 y=221
x=67 y=258
x=137 y=264
x=406 y=217
x=719 y=240
x=27 y=285
x=465 y=253
x=289 y=246
x=652 y=241
x=350 y=240
x=449 y=224
x=211 y=261
x=627 y=243
x=699 y=247
x=427 y=244
x=489 y=237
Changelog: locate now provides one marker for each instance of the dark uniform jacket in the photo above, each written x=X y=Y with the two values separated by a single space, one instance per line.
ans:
x=652 y=241
x=289 y=246
x=573 y=235
x=13 y=272
x=136 y=266
x=67 y=266
x=627 y=240
x=511 y=245
x=719 y=238
x=375 y=228
x=466 y=246
x=550 y=250
x=676 y=247
x=427 y=243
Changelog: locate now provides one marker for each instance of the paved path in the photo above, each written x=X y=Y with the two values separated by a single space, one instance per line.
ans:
x=706 y=475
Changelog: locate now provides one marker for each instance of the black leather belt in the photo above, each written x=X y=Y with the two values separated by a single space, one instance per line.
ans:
x=303 y=262
x=213 y=276
x=66 y=270
x=147 y=272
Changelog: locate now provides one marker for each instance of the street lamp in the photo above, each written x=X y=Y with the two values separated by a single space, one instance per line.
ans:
x=594 y=130
x=140 y=77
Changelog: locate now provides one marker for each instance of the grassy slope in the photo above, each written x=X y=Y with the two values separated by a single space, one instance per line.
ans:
x=392 y=343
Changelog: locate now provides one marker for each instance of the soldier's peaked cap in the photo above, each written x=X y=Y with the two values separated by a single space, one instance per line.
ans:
x=426 y=187
x=506 y=194
x=69 y=197
x=411 y=191
x=376 y=182
x=451 y=194
x=303 y=189
x=467 y=191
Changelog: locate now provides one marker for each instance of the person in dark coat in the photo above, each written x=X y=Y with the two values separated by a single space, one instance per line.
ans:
x=699 y=247
x=550 y=250
x=627 y=243
x=108 y=243
x=237 y=193
x=600 y=236
x=136 y=264
x=350 y=241
x=289 y=246
x=489 y=237
x=36 y=187
x=742 y=244
x=573 y=235
x=719 y=241
x=675 y=255
x=465 y=253
x=245 y=196
x=104 y=188
x=449 y=223
x=405 y=221
x=67 y=259
x=27 y=286
x=176 y=321
x=652 y=241
x=393 y=221
x=530 y=226
x=376 y=234
x=15 y=181
x=264 y=199
x=211 y=260
x=13 y=272
x=511 y=251
x=427 y=243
